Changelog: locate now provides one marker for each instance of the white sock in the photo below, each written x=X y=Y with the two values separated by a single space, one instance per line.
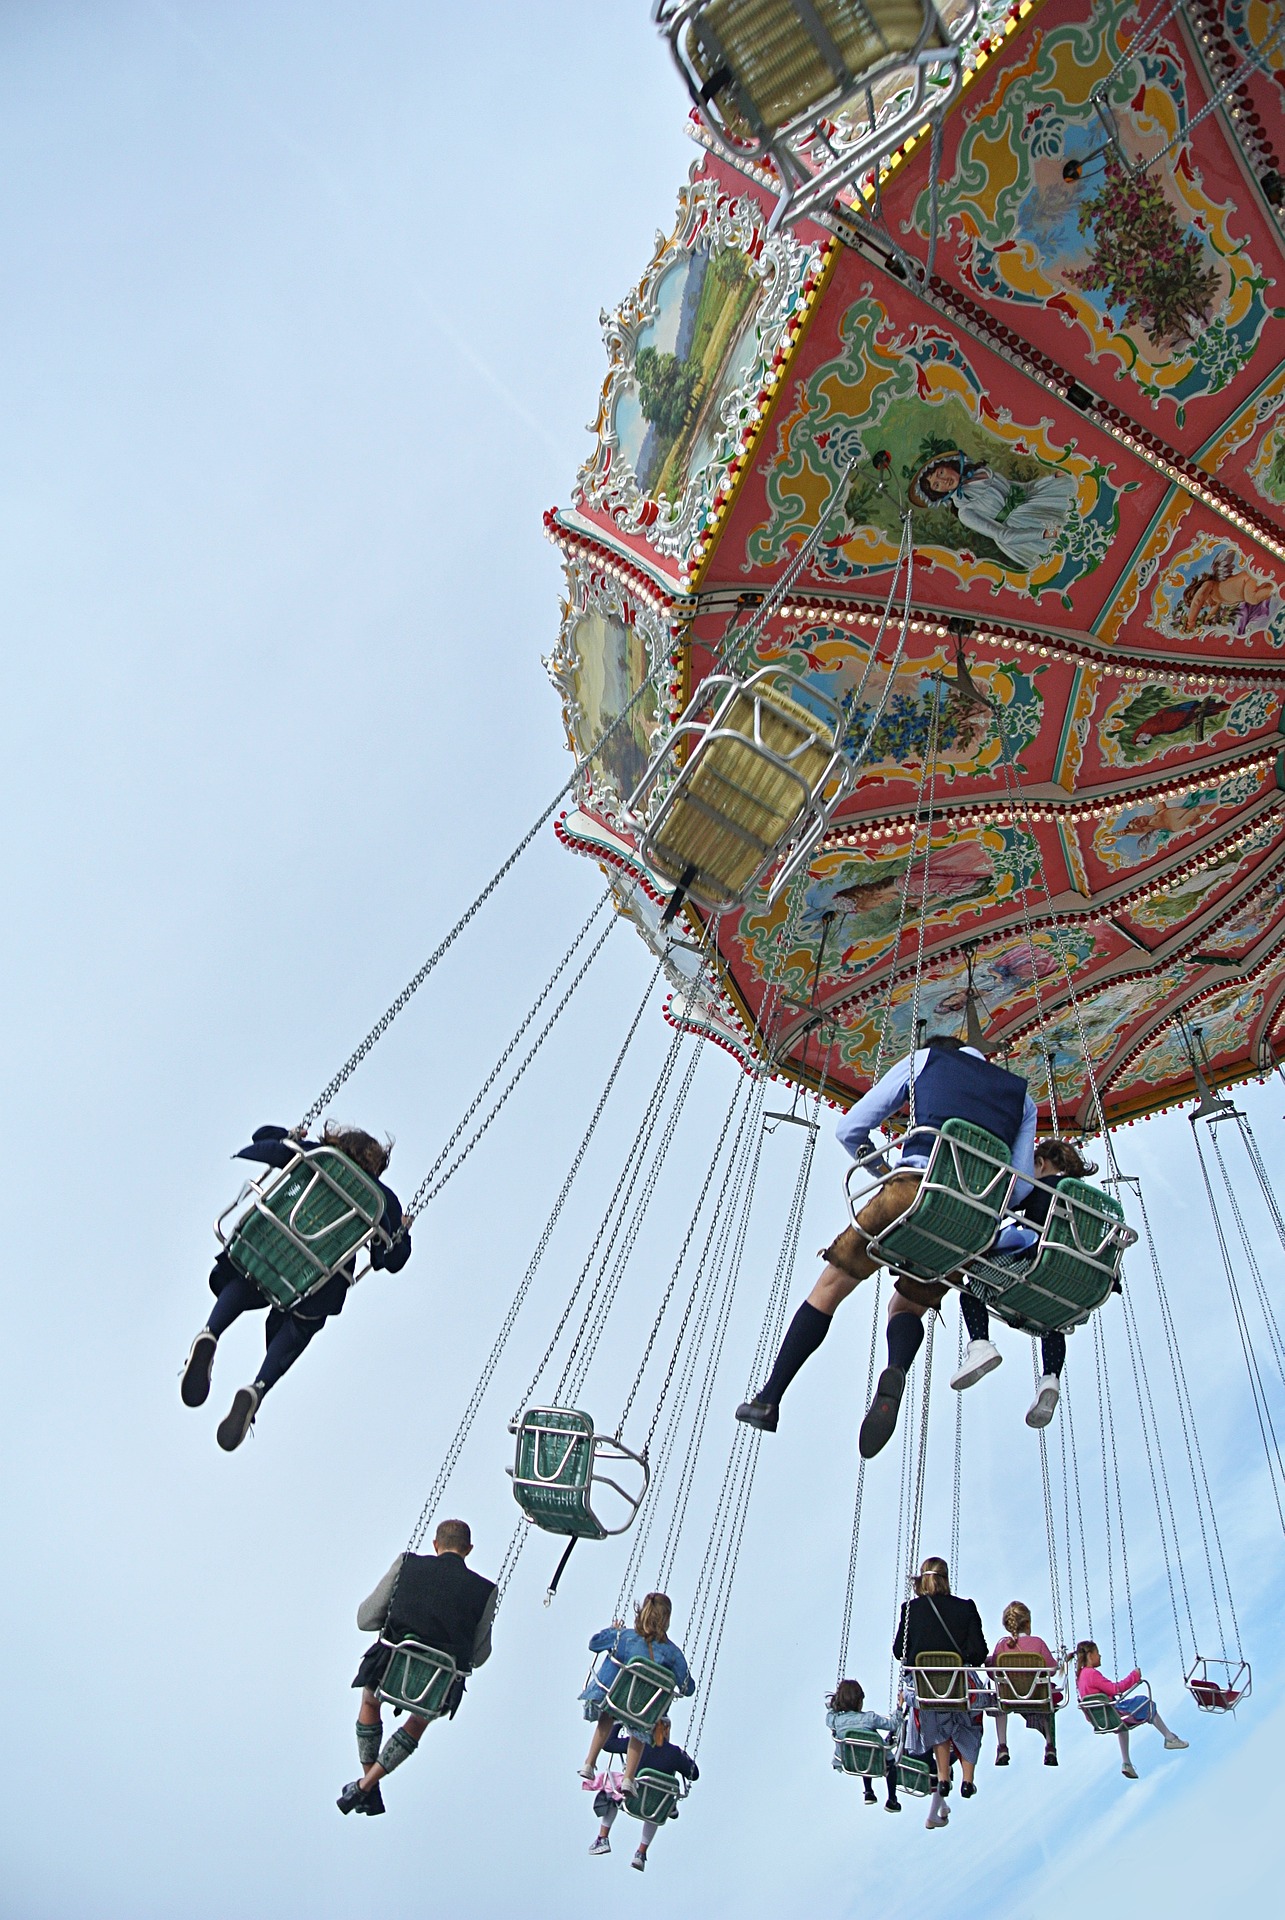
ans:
x=1160 y=1726
x=1122 y=1735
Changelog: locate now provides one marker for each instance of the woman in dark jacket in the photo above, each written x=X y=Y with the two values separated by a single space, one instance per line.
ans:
x=938 y=1622
x=288 y=1333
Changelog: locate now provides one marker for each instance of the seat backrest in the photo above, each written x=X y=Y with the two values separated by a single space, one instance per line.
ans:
x=655 y=1795
x=1023 y=1680
x=957 y=1209
x=780 y=63
x=640 y=1694
x=1100 y=1712
x=1079 y=1256
x=418 y=1678
x=940 y=1681
x=915 y=1774
x=862 y=1753
x=553 y=1471
x=311 y=1219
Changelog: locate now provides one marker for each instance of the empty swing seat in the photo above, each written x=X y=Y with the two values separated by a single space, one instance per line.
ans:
x=303 y=1225
x=916 y=1774
x=956 y=1210
x=419 y=1679
x=765 y=65
x=1219 y=1686
x=1070 y=1272
x=862 y=1754
x=756 y=780
x=640 y=1695
x=655 y=1796
x=555 y=1475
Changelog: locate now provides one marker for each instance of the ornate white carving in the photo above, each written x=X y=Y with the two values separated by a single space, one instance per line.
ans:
x=707 y=215
x=593 y=589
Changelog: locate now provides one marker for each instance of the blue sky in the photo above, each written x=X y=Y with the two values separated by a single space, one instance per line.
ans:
x=299 y=340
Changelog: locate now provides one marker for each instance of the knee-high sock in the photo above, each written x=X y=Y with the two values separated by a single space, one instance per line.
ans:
x=398 y=1747
x=609 y=1817
x=802 y=1338
x=975 y=1317
x=1160 y=1726
x=649 y=1832
x=905 y=1337
x=368 y=1742
x=1053 y=1353
x=1122 y=1735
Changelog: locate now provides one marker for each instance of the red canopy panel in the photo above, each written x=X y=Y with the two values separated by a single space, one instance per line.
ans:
x=1092 y=459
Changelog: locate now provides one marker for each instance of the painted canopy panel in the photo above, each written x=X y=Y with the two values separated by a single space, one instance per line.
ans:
x=1092 y=465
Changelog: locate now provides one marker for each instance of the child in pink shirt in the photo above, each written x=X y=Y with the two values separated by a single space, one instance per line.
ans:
x=1135 y=1709
x=1018 y=1638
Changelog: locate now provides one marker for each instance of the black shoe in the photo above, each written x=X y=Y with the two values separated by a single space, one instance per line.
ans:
x=195 y=1384
x=238 y=1420
x=892 y=1806
x=760 y=1413
x=352 y=1799
x=372 y=1801
x=967 y=1789
x=880 y=1422
x=1050 y=1757
x=869 y=1795
x=1001 y=1756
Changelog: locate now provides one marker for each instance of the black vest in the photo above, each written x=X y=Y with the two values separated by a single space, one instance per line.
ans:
x=960 y=1086
x=439 y=1601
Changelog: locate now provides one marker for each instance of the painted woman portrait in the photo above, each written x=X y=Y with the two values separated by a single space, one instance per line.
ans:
x=1022 y=517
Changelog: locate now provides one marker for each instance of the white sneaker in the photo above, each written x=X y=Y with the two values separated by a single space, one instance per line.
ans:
x=980 y=1358
x=587 y=1773
x=600 y=1846
x=1173 y=1743
x=941 y=1819
x=1129 y=1771
x=1044 y=1405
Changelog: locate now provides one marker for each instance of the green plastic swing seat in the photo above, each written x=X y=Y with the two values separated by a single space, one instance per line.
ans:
x=554 y=1472
x=862 y=1754
x=915 y=1774
x=655 y=1796
x=1072 y=1270
x=301 y=1227
x=1101 y=1714
x=957 y=1209
x=418 y=1679
x=640 y=1695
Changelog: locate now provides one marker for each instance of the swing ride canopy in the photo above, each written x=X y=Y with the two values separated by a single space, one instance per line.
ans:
x=1074 y=778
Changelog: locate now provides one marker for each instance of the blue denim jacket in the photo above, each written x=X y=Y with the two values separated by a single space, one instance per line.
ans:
x=621 y=1645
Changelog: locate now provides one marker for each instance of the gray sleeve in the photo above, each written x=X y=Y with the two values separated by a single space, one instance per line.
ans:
x=482 y=1638
x=373 y=1611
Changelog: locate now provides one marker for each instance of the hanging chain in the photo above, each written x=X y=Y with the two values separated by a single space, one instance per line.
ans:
x=849 y=1596
x=430 y=1186
x=959 y=1449
x=1079 y=1504
x=1050 y=1526
x=456 y=1447
x=1145 y=1406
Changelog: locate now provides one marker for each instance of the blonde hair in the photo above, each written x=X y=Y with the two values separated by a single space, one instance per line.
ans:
x=1017 y=1619
x=652 y=1617
x=934 y=1577
x=1086 y=1655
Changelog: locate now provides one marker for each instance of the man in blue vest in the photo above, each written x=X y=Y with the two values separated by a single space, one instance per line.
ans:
x=951 y=1082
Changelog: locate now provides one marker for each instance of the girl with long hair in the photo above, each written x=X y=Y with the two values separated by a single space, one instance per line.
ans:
x=648 y=1639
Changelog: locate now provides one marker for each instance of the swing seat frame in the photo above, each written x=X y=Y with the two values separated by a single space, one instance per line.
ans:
x=768 y=79
x=304 y=1223
x=555 y=1472
x=1214 y=1694
x=916 y=1774
x=1103 y=1715
x=752 y=772
x=862 y=1755
x=1024 y=1684
x=656 y=1795
x=640 y=1695
x=418 y=1679
x=956 y=1210
x=1071 y=1271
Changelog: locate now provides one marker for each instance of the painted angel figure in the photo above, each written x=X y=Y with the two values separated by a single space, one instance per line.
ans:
x=1022 y=517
